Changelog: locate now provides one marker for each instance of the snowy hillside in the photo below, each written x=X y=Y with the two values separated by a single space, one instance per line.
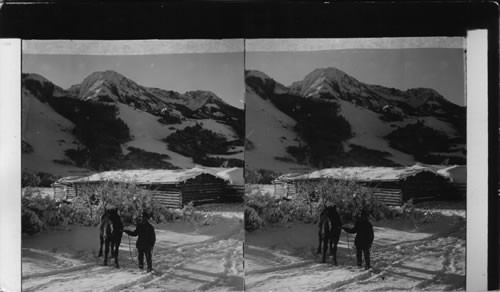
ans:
x=109 y=121
x=341 y=121
x=48 y=134
x=269 y=131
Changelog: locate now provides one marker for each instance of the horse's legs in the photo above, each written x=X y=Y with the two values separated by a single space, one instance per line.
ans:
x=330 y=243
x=334 y=251
x=106 y=251
x=100 y=248
x=116 y=248
x=325 y=247
x=320 y=238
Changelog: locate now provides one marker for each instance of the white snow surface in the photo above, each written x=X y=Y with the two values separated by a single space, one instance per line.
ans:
x=432 y=257
x=49 y=134
x=369 y=173
x=233 y=175
x=369 y=131
x=147 y=134
x=145 y=176
x=270 y=131
x=148 y=176
x=217 y=127
x=456 y=173
x=186 y=257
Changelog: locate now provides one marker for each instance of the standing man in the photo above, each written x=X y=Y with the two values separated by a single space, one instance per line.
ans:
x=364 y=238
x=145 y=241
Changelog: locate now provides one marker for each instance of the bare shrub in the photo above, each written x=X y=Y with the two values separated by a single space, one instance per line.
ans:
x=311 y=197
x=349 y=196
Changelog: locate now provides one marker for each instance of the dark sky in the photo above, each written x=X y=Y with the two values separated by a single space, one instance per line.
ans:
x=221 y=73
x=441 y=69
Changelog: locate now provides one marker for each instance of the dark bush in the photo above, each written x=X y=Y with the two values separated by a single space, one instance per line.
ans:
x=29 y=179
x=196 y=141
x=38 y=213
x=349 y=197
x=63 y=161
x=418 y=140
x=252 y=219
x=30 y=222
x=284 y=158
x=218 y=161
x=298 y=152
x=259 y=176
x=37 y=179
x=26 y=148
x=249 y=145
x=98 y=128
x=139 y=158
x=319 y=124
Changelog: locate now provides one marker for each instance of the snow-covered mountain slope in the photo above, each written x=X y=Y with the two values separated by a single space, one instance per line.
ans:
x=147 y=134
x=371 y=113
x=138 y=117
x=111 y=86
x=49 y=135
x=369 y=131
x=268 y=132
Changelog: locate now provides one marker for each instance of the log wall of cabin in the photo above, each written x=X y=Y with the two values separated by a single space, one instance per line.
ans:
x=64 y=192
x=167 y=195
x=202 y=189
x=233 y=194
x=285 y=189
x=387 y=192
x=424 y=186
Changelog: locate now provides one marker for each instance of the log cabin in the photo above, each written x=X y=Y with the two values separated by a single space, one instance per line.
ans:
x=390 y=185
x=170 y=188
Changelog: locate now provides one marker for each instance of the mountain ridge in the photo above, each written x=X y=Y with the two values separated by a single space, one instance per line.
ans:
x=343 y=121
x=117 y=121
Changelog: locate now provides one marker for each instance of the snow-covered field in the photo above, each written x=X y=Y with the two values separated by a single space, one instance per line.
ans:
x=428 y=257
x=186 y=257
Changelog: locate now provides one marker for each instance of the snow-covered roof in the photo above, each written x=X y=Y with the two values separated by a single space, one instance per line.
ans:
x=365 y=174
x=455 y=173
x=144 y=176
x=233 y=175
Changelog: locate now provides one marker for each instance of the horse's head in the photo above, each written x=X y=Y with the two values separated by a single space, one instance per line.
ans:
x=333 y=215
x=112 y=214
x=332 y=209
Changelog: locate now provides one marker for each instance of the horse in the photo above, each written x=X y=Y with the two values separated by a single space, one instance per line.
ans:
x=110 y=234
x=330 y=226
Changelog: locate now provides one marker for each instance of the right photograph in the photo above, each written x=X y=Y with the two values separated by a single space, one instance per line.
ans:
x=355 y=164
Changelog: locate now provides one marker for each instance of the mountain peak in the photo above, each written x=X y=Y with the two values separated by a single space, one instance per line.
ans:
x=108 y=75
x=330 y=72
x=257 y=74
x=322 y=81
x=109 y=84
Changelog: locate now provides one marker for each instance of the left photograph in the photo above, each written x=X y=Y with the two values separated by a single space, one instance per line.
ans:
x=132 y=165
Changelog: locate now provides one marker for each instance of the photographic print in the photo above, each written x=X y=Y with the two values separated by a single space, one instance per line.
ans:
x=355 y=164
x=132 y=165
